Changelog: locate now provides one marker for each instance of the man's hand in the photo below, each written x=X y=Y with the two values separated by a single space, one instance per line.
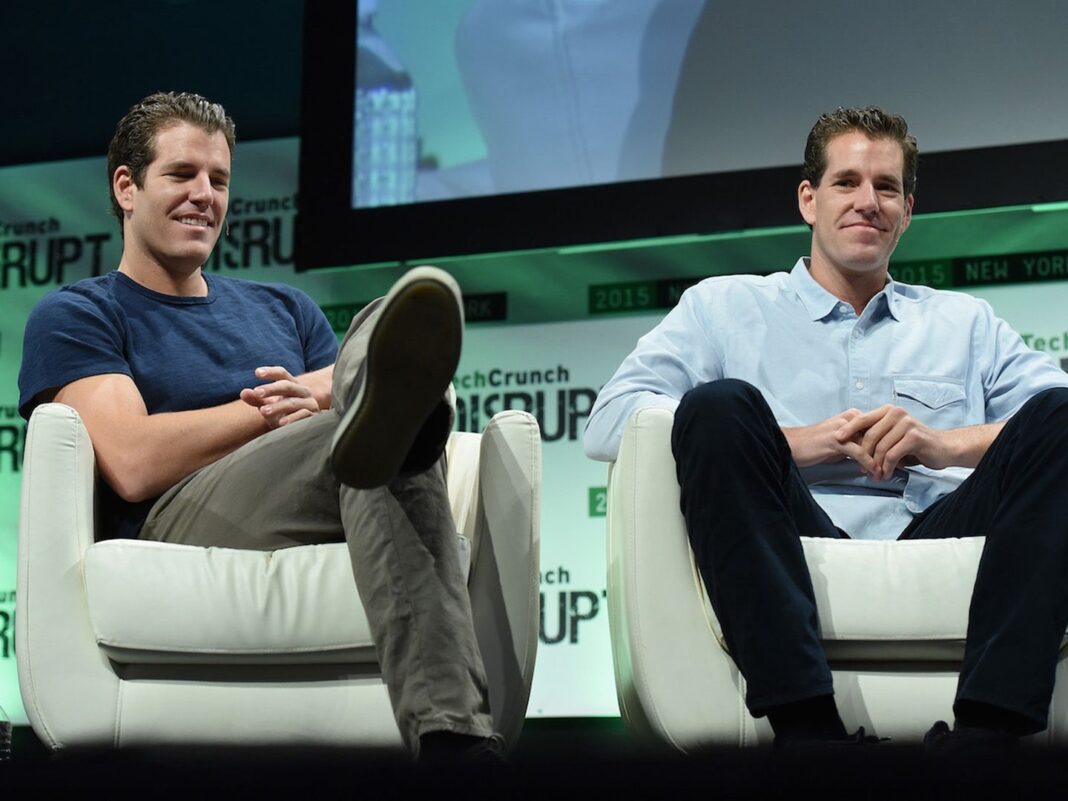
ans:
x=892 y=437
x=820 y=443
x=285 y=399
x=142 y=455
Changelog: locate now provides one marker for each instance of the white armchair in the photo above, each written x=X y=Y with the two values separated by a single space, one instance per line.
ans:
x=127 y=642
x=893 y=618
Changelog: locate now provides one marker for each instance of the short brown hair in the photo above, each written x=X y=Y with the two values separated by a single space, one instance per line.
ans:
x=134 y=142
x=872 y=121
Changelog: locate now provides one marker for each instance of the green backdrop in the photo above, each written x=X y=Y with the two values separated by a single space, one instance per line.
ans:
x=546 y=329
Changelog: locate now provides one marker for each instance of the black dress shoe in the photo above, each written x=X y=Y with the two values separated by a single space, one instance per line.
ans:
x=968 y=740
x=852 y=742
x=445 y=747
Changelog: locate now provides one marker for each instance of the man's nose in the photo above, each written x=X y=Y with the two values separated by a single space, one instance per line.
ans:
x=866 y=199
x=200 y=190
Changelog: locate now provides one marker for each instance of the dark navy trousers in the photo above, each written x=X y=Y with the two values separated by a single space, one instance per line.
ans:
x=746 y=505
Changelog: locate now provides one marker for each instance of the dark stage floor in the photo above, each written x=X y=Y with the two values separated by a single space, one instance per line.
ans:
x=555 y=759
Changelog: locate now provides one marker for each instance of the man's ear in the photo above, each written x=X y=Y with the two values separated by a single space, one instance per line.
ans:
x=123 y=186
x=806 y=201
x=909 y=201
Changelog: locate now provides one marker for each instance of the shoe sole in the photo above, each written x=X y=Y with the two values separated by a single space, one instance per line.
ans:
x=411 y=358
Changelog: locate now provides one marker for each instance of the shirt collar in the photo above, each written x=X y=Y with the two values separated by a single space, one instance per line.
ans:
x=818 y=302
x=891 y=291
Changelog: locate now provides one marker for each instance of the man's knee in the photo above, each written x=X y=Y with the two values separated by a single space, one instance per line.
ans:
x=1044 y=416
x=1053 y=401
x=718 y=402
x=724 y=414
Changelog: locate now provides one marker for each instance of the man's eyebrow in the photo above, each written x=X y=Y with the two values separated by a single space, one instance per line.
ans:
x=849 y=172
x=188 y=165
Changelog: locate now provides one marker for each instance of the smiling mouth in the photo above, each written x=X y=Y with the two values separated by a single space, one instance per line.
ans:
x=200 y=223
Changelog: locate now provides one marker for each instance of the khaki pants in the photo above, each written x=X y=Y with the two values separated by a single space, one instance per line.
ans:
x=278 y=491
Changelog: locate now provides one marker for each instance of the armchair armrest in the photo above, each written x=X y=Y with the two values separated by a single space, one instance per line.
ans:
x=654 y=592
x=56 y=526
x=505 y=559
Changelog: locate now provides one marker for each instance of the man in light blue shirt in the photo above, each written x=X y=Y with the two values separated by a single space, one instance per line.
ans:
x=833 y=401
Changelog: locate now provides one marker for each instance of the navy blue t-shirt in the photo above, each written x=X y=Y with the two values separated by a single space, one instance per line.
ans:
x=182 y=353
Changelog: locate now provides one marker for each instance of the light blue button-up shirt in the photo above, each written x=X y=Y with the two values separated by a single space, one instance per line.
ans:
x=942 y=356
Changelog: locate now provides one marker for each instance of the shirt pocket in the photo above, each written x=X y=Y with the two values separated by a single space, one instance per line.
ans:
x=934 y=393
x=935 y=401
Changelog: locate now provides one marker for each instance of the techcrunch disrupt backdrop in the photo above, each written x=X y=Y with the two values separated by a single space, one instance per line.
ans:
x=554 y=371
x=55 y=229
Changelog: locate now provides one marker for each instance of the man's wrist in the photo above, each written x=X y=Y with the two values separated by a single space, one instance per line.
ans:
x=964 y=447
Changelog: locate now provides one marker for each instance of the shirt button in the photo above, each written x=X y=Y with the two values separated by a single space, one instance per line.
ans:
x=859 y=385
x=843 y=309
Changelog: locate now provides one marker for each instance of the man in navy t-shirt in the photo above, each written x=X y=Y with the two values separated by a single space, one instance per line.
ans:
x=222 y=412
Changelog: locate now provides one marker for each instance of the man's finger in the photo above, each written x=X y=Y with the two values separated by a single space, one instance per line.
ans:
x=861 y=422
x=904 y=450
x=863 y=459
x=273 y=371
x=878 y=432
x=891 y=447
x=881 y=437
x=300 y=414
x=285 y=404
x=850 y=429
x=285 y=388
x=252 y=398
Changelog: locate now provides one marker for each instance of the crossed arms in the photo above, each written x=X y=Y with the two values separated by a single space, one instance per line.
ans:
x=141 y=455
x=880 y=440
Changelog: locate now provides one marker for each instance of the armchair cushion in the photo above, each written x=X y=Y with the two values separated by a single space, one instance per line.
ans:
x=888 y=600
x=232 y=605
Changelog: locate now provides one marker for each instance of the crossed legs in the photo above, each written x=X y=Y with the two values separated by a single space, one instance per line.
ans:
x=280 y=490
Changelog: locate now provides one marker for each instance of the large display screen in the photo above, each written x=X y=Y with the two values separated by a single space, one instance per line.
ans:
x=465 y=126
